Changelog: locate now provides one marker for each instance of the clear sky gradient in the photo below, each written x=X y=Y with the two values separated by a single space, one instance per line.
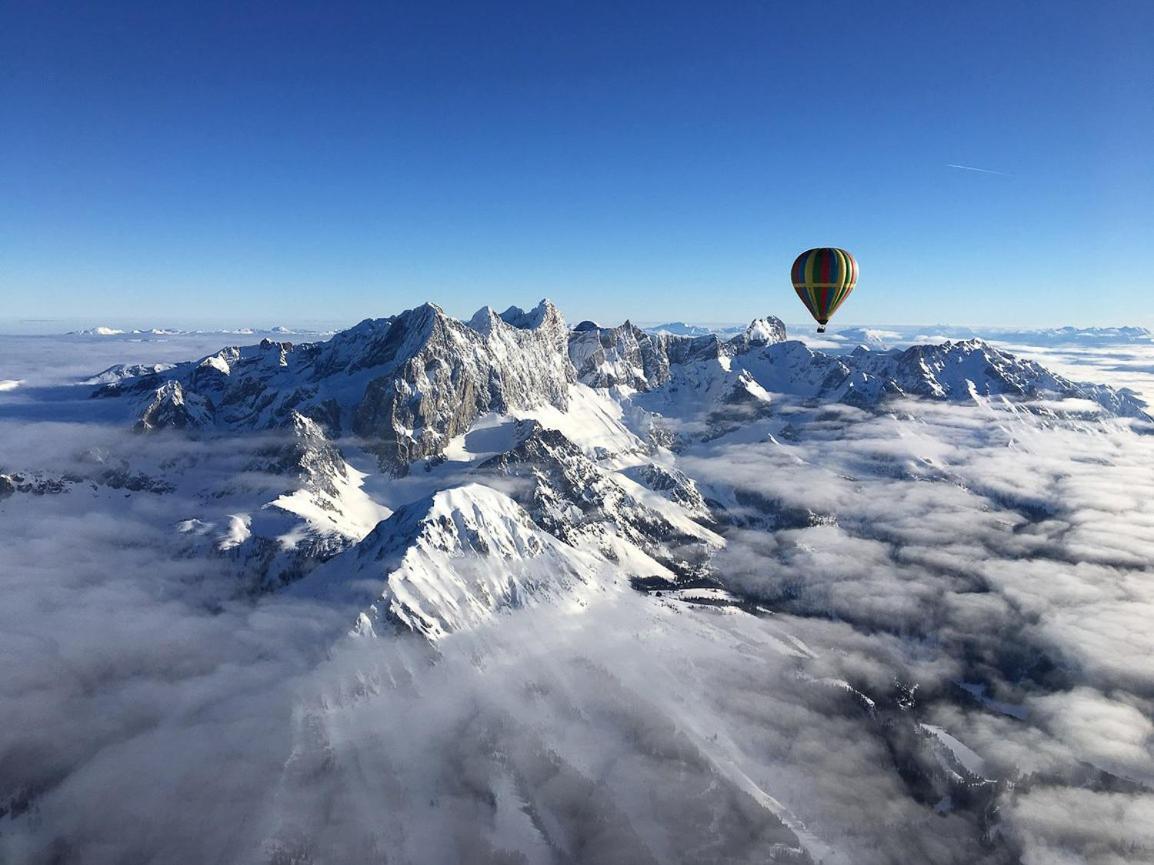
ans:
x=285 y=162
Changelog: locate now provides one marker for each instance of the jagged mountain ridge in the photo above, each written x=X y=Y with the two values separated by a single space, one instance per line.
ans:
x=571 y=497
x=636 y=358
x=951 y=371
x=408 y=384
x=405 y=384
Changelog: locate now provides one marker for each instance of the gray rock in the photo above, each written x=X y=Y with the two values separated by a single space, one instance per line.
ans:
x=635 y=358
x=406 y=384
x=572 y=498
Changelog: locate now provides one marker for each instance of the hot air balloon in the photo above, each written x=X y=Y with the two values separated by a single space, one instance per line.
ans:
x=823 y=279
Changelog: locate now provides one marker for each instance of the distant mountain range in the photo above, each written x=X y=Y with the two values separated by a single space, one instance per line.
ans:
x=892 y=335
x=103 y=330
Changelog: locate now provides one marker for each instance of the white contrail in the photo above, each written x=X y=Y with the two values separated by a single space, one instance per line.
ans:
x=981 y=170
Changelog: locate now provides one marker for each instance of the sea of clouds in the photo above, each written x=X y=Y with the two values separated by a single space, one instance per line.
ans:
x=966 y=569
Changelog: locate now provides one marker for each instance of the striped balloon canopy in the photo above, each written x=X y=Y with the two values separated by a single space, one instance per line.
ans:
x=823 y=279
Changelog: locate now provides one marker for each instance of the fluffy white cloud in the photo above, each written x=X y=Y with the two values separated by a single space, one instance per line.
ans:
x=982 y=571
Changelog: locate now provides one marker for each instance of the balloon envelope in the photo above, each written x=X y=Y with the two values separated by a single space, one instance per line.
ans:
x=823 y=279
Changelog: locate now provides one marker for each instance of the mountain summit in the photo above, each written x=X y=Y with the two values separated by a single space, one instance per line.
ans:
x=408 y=384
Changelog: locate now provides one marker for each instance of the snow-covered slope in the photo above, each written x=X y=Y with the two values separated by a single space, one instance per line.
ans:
x=454 y=560
x=409 y=384
x=715 y=393
x=588 y=507
x=680 y=328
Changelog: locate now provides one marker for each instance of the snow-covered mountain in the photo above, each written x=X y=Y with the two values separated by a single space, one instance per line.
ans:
x=276 y=330
x=888 y=336
x=404 y=389
x=409 y=384
x=639 y=359
x=680 y=328
x=587 y=506
x=423 y=484
x=406 y=384
x=1069 y=336
x=453 y=560
x=717 y=394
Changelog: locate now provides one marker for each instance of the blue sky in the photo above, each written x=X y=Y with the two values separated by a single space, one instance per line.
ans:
x=259 y=163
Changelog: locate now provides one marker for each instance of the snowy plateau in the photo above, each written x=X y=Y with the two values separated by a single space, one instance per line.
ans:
x=506 y=590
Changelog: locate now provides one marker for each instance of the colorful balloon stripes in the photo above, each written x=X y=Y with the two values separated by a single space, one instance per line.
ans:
x=823 y=278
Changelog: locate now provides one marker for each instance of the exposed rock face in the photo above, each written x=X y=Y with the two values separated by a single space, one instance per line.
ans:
x=674 y=485
x=169 y=406
x=458 y=372
x=625 y=355
x=572 y=498
x=308 y=455
x=630 y=356
x=406 y=384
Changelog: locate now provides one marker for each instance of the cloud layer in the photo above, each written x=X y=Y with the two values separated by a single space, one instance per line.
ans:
x=981 y=572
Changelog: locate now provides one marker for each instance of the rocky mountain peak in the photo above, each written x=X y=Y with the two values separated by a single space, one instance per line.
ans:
x=762 y=331
x=631 y=357
x=406 y=384
x=410 y=383
x=576 y=500
x=484 y=320
x=455 y=372
x=960 y=370
x=543 y=312
x=453 y=560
